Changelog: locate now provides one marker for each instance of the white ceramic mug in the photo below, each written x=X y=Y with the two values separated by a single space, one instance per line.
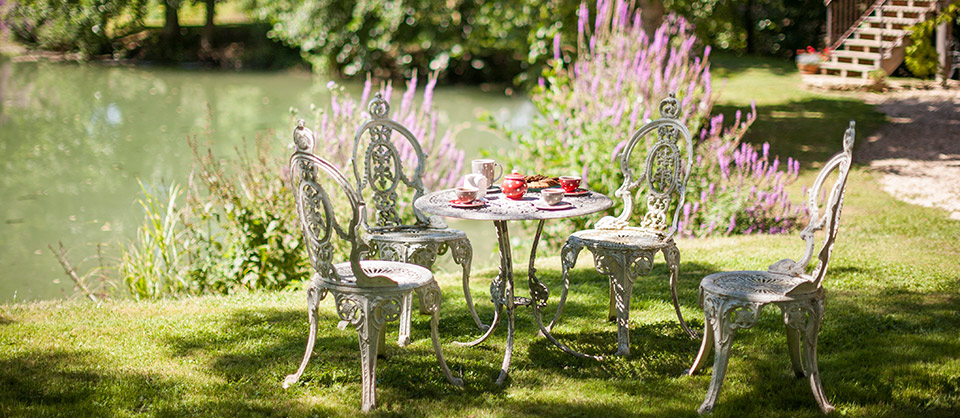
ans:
x=479 y=181
x=488 y=168
x=551 y=197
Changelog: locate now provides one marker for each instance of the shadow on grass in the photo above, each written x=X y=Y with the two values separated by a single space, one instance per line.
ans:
x=818 y=124
x=5 y=321
x=729 y=64
x=880 y=353
x=76 y=383
x=920 y=129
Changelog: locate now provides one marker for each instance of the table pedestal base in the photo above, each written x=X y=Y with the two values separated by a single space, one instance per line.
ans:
x=502 y=295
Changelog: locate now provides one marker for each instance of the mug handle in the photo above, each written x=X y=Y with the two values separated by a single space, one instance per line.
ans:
x=497 y=177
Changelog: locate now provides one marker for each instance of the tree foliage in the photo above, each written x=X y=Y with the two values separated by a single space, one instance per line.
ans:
x=769 y=27
x=472 y=40
x=921 y=56
x=84 y=26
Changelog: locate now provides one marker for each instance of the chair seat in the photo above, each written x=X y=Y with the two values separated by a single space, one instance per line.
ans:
x=414 y=234
x=614 y=238
x=758 y=286
x=407 y=276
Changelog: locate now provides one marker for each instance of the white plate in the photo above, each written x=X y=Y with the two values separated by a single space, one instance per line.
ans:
x=559 y=206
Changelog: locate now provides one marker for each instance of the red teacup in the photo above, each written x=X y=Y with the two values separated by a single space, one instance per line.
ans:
x=569 y=183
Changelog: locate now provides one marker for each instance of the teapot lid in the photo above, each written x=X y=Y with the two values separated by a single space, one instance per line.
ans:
x=515 y=176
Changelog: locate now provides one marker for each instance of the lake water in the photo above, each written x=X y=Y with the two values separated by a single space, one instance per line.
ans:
x=75 y=139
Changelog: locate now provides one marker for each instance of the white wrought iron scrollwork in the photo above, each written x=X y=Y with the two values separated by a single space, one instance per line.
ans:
x=664 y=174
x=828 y=221
x=367 y=296
x=733 y=300
x=383 y=164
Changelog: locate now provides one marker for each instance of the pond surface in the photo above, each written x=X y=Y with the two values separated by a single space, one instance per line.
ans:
x=76 y=139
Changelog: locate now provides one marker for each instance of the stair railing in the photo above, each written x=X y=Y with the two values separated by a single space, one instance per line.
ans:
x=843 y=17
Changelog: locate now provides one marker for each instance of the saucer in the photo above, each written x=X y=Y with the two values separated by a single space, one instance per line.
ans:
x=559 y=206
x=493 y=189
x=578 y=192
x=475 y=204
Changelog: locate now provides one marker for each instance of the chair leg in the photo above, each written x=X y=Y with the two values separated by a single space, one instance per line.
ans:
x=705 y=346
x=568 y=258
x=314 y=296
x=810 y=355
x=723 y=335
x=672 y=256
x=793 y=346
x=370 y=326
x=462 y=253
x=430 y=300
x=405 y=317
x=369 y=347
x=622 y=286
x=793 y=343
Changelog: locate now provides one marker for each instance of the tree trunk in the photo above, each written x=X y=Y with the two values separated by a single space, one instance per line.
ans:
x=651 y=15
x=748 y=25
x=206 y=35
x=171 y=26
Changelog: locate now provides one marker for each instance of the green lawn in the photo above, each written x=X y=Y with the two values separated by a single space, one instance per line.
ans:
x=890 y=344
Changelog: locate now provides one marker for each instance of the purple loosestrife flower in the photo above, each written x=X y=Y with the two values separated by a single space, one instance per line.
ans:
x=556 y=47
x=613 y=86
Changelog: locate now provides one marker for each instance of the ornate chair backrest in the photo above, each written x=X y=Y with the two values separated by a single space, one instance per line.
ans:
x=318 y=217
x=665 y=171
x=382 y=165
x=829 y=220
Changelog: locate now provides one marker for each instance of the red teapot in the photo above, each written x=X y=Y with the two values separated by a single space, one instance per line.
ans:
x=514 y=186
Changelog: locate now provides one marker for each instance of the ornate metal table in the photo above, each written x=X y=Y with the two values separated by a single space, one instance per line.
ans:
x=500 y=210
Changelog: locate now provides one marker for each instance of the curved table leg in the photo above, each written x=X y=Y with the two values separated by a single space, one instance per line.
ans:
x=539 y=295
x=493 y=326
x=506 y=271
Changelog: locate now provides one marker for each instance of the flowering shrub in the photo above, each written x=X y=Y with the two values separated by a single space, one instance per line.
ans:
x=735 y=189
x=810 y=56
x=336 y=126
x=589 y=109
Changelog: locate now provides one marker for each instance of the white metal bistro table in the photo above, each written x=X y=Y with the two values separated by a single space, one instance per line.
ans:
x=500 y=210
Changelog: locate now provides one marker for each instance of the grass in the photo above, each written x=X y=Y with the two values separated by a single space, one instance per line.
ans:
x=890 y=345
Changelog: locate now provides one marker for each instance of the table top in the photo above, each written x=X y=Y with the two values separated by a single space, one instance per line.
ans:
x=499 y=208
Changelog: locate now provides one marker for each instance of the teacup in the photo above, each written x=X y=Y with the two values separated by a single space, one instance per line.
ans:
x=569 y=183
x=466 y=194
x=488 y=168
x=479 y=181
x=551 y=196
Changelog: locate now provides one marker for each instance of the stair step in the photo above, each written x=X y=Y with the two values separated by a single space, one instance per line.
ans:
x=855 y=54
x=848 y=66
x=907 y=9
x=895 y=20
x=883 y=31
x=869 y=42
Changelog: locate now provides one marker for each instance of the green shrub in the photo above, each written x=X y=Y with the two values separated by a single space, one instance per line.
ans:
x=237 y=229
x=921 y=56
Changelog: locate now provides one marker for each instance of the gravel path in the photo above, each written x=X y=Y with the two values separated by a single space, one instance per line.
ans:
x=918 y=152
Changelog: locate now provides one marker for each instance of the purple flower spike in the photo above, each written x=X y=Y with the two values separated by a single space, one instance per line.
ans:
x=556 y=47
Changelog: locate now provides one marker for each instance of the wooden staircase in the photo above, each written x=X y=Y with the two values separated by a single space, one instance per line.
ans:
x=868 y=35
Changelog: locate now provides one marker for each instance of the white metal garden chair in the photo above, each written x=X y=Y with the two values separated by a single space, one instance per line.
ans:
x=733 y=300
x=368 y=293
x=381 y=168
x=623 y=252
